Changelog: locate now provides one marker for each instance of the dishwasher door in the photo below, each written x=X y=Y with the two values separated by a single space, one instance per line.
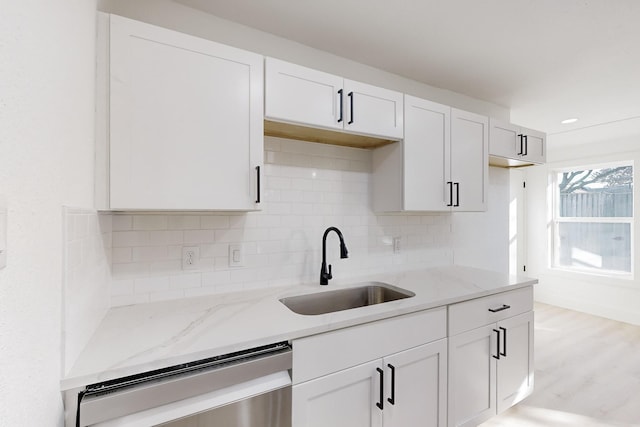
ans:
x=272 y=409
x=245 y=389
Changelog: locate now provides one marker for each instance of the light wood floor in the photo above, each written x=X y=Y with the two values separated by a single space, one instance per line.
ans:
x=587 y=373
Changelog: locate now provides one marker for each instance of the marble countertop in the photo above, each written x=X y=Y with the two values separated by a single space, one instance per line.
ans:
x=139 y=338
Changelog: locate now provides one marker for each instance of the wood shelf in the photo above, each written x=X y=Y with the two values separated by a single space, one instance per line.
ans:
x=323 y=136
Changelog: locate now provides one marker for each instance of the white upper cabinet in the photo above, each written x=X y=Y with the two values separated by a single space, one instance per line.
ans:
x=372 y=110
x=441 y=165
x=300 y=95
x=426 y=144
x=186 y=121
x=512 y=142
x=469 y=178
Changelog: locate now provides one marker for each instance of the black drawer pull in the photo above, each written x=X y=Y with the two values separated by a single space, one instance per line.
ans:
x=258 y=184
x=497 y=355
x=519 y=153
x=504 y=307
x=350 y=95
x=504 y=342
x=380 y=404
x=392 y=399
x=341 y=92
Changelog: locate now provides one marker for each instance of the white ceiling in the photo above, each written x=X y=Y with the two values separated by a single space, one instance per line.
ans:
x=546 y=60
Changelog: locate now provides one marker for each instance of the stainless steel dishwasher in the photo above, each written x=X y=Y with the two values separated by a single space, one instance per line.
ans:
x=244 y=389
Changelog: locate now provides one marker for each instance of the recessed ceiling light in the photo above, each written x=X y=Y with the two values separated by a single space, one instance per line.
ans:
x=569 y=121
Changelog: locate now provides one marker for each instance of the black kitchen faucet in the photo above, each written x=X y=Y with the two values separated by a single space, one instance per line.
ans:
x=325 y=275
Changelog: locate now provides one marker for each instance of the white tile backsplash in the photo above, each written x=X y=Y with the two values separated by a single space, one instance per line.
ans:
x=307 y=188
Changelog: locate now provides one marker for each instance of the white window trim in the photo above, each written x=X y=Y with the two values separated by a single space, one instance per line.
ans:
x=556 y=219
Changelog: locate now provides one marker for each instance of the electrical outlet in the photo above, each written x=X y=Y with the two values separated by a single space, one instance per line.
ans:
x=190 y=257
x=236 y=255
x=396 y=245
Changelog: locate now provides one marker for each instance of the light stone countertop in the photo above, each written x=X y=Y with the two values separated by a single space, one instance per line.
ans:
x=139 y=338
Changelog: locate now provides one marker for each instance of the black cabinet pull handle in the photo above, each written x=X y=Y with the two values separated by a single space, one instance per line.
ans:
x=497 y=345
x=519 y=153
x=504 y=307
x=504 y=342
x=340 y=92
x=526 y=145
x=457 y=184
x=392 y=399
x=450 y=184
x=380 y=404
x=258 y=184
x=351 y=104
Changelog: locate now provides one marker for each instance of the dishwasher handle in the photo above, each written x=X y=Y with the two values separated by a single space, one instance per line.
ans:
x=95 y=407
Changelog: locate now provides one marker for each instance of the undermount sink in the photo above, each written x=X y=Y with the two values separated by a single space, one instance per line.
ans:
x=369 y=293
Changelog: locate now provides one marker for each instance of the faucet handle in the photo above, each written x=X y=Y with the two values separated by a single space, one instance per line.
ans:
x=330 y=275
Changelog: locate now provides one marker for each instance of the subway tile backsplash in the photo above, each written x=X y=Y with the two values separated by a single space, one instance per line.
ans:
x=307 y=187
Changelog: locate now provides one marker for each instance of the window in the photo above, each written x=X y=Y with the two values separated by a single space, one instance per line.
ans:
x=593 y=219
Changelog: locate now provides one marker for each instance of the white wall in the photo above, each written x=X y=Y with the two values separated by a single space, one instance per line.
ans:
x=46 y=160
x=481 y=239
x=170 y=14
x=86 y=278
x=617 y=299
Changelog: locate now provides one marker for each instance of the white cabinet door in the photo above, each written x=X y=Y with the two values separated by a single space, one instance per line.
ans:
x=373 y=110
x=186 y=121
x=472 y=376
x=504 y=139
x=534 y=146
x=343 y=399
x=515 y=367
x=509 y=141
x=469 y=161
x=416 y=386
x=302 y=95
x=426 y=142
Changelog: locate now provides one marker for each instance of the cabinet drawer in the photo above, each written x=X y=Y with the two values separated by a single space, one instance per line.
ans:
x=471 y=314
x=333 y=351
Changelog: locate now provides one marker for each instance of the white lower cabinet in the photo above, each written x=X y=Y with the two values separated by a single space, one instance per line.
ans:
x=490 y=366
x=345 y=398
x=407 y=371
x=390 y=373
x=404 y=389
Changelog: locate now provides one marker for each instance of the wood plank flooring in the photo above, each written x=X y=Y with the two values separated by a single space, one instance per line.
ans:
x=587 y=373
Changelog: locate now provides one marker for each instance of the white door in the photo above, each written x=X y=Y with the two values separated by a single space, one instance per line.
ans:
x=344 y=399
x=515 y=368
x=535 y=146
x=472 y=379
x=373 y=110
x=302 y=95
x=186 y=121
x=416 y=384
x=469 y=161
x=503 y=139
x=426 y=141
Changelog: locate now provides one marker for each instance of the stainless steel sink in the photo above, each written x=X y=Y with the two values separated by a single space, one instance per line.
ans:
x=369 y=293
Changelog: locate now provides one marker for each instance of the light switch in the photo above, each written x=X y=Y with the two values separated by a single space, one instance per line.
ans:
x=3 y=232
x=236 y=255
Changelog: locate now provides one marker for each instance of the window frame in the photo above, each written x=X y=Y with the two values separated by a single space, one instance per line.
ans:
x=557 y=219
